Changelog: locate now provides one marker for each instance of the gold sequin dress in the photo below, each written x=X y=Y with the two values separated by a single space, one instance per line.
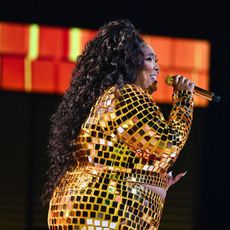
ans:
x=124 y=143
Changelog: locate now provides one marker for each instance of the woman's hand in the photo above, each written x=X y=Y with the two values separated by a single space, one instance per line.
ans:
x=172 y=180
x=182 y=83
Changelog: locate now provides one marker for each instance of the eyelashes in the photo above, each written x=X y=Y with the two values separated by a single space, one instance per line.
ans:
x=151 y=59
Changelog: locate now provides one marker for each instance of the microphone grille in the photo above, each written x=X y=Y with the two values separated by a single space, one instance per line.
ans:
x=169 y=80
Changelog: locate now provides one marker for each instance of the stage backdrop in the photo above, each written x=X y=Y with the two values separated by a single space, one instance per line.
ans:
x=35 y=69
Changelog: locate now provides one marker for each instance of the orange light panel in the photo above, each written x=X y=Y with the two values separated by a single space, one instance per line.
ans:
x=191 y=54
x=87 y=35
x=65 y=69
x=12 y=70
x=43 y=76
x=13 y=39
x=47 y=66
x=53 y=43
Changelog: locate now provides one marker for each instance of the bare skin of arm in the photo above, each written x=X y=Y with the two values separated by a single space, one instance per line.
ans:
x=171 y=181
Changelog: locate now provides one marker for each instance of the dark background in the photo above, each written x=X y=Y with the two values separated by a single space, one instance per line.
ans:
x=201 y=201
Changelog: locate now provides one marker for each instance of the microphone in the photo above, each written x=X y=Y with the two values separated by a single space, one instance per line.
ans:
x=197 y=90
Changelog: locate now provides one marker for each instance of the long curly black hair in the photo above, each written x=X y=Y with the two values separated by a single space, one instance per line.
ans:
x=113 y=57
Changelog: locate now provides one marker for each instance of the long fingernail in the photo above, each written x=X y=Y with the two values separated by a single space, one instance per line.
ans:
x=170 y=173
x=185 y=173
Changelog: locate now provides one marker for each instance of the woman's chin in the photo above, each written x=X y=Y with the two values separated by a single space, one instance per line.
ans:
x=152 y=88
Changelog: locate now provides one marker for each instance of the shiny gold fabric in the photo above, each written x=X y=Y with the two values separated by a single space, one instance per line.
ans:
x=124 y=143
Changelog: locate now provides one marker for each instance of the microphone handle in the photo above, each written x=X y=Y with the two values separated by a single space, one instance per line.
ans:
x=206 y=94
x=203 y=93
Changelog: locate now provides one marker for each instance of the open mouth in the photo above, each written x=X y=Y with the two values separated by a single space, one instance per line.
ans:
x=153 y=77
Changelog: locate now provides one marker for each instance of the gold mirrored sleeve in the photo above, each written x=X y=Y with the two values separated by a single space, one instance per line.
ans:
x=142 y=126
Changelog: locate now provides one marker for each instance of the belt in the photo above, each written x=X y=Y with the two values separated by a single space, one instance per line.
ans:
x=126 y=175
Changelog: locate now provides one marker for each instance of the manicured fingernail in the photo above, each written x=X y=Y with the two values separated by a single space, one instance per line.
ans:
x=170 y=173
x=185 y=173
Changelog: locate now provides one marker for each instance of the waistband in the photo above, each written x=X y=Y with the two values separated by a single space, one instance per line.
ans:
x=127 y=175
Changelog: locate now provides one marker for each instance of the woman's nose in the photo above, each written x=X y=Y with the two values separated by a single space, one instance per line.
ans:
x=157 y=68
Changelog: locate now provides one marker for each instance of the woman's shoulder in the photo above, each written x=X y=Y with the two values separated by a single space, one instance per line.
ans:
x=132 y=88
x=128 y=90
x=136 y=93
x=126 y=87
